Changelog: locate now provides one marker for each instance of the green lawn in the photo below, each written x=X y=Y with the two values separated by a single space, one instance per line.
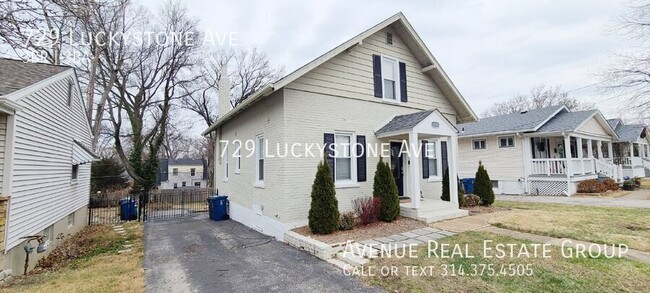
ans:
x=554 y=274
x=595 y=224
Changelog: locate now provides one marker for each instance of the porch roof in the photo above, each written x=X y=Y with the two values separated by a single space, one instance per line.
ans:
x=525 y=121
x=402 y=124
x=630 y=132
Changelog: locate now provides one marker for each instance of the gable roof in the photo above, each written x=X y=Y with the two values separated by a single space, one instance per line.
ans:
x=185 y=162
x=402 y=122
x=630 y=132
x=614 y=122
x=16 y=74
x=567 y=121
x=406 y=32
x=526 y=121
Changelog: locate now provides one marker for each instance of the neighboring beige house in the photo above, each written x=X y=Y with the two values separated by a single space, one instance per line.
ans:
x=44 y=157
x=182 y=173
x=544 y=151
x=631 y=150
x=383 y=86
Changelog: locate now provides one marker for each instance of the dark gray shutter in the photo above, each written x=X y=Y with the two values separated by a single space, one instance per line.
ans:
x=443 y=153
x=376 y=75
x=425 y=160
x=329 y=151
x=402 y=81
x=361 y=158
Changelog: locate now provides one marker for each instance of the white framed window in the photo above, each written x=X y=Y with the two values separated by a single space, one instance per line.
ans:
x=175 y=171
x=193 y=172
x=225 y=161
x=479 y=144
x=344 y=164
x=71 y=220
x=495 y=183
x=237 y=157
x=75 y=172
x=197 y=184
x=183 y=184
x=49 y=233
x=433 y=154
x=506 y=141
x=175 y=185
x=390 y=78
x=259 y=160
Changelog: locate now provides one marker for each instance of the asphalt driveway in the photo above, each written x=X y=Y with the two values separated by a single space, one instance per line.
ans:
x=199 y=255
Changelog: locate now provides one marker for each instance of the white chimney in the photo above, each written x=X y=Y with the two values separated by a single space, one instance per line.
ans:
x=224 y=92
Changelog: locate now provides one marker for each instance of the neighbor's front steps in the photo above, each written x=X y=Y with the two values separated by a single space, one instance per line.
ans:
x=354 y=254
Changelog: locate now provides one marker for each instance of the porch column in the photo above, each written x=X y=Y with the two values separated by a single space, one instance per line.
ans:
x=590 y=149
x=579 y=151
x=414 y=174
x=610 y=151
x=567 y=152
x=452 y=159
x=599 y=145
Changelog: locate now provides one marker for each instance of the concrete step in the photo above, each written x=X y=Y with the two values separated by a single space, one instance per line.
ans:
x=352 y=259
x=362 y=250
x=339 y=263
x=442 y=215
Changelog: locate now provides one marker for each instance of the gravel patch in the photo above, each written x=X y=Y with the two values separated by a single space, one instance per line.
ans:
x=374 y=230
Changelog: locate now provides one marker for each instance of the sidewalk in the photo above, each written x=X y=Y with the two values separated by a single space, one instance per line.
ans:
x=481 y=223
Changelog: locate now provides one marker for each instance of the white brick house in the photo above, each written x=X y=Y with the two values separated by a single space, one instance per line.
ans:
x=383 y=86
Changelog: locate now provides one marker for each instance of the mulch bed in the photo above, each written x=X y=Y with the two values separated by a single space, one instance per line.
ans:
x=374 y=230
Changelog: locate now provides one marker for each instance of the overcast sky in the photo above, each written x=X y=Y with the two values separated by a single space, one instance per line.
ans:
x=492 y=50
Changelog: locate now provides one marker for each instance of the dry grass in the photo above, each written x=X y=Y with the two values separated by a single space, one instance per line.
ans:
x=475 y=210
x=374 y=230
x=98 y=271
x=611 y=194
x=554 y=274
x=595 y=224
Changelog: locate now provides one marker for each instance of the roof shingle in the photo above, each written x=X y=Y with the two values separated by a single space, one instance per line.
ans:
x=402 y=122
x=16 y=74
x=515 y=122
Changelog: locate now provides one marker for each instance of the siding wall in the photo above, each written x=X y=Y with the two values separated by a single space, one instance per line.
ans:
x=264 y=117
x=42 y=190
x=501 y=163
x=593 y=127
x=3 y=141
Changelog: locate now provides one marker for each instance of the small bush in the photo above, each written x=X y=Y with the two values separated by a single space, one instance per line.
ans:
x=324 y=211
x=471 y=200
x=367 y=209
x=385 y=188
x=597 y=186
x=483 y=186
x=348 y=221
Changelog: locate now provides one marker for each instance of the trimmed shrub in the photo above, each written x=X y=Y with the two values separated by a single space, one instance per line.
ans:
x=367 y=209
x=597 y=186
x=471 y=200
x=324 y=211
x=461 y=197
x=483 y=186
x=385 y=189
x=445 y=185
x=347 y=221
x=610 y=184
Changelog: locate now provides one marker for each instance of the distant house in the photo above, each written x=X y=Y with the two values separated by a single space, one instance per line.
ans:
x=183 y=173
x=44 y=157
x=632 y=149
x=543 y=151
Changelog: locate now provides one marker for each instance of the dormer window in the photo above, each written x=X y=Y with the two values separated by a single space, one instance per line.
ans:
x=389 y=38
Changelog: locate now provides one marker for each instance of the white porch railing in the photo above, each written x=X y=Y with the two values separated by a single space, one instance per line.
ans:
x=558 y=166
x=610 y=170
x=629 y=161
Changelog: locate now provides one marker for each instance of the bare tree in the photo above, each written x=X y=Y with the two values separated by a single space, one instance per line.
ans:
x=540 y=96
x=147 y=86
x=629 y=76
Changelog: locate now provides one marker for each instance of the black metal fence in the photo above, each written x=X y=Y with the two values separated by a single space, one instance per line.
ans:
x=157 y=204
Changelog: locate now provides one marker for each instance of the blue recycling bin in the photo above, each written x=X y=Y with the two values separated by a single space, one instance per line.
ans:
x=468 y=185
x=218 y=207
x=128 y=209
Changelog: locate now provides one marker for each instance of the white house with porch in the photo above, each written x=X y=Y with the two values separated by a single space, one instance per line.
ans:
x=631 y=150
x=380 y=90
x=543 y=151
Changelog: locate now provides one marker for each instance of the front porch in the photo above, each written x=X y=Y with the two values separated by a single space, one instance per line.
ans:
x=423 y=145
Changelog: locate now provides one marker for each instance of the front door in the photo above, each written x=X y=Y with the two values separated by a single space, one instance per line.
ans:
x=397 y=165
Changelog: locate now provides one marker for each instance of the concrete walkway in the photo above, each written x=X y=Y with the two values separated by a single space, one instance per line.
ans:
x=582 y=201
x=480 y=223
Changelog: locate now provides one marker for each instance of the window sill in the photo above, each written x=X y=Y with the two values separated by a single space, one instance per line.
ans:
x=73 y=181
x=259 y=184
x=237 y=172
x=396 y=101
x=342 y=185
x=434 y=179
x=224 y=180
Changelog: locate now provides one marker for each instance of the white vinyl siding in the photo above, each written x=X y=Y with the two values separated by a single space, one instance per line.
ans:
x=3 y=144
x=506 y=141
x=501 y=163
x=45 y=131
